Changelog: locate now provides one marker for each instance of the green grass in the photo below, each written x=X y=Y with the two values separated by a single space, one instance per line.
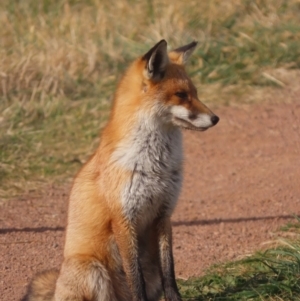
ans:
x=66 y=48
x=270 y=275
x=36 y=148
x=60 y=61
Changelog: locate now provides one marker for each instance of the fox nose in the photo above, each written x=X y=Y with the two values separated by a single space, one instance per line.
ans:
x=214 y=119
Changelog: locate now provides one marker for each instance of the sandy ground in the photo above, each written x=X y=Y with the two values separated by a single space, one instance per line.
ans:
x=241 y=184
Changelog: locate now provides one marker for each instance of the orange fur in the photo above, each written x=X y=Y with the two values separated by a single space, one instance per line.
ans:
x=118 y=238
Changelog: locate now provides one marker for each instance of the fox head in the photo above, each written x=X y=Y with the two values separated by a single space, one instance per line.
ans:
x=166 y=81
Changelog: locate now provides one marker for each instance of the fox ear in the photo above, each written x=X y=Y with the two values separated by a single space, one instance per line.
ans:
x=156 y=61
x=181 y=54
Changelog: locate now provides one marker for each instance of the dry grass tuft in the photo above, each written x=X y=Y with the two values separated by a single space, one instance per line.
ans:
x=66 y=47
x=60 y=60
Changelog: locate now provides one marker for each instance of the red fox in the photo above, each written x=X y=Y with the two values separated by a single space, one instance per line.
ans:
x=118 y=243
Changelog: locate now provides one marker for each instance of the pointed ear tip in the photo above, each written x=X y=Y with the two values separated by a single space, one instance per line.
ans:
x=163 y=41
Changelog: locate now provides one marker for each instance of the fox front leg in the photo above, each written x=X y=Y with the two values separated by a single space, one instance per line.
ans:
x=164 y=231
x=126 y=238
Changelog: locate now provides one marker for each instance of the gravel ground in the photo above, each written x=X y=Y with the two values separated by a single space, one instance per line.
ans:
x=241 y=184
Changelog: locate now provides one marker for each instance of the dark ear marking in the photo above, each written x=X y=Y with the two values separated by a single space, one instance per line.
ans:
x=147 y=56
x=188 y=47
x=156 y=63
x=157 y=60
x=184 y=52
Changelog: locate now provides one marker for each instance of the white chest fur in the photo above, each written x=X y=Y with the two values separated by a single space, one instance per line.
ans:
x=153 y=155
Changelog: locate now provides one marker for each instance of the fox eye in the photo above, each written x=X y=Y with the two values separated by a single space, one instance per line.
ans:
x=182 y=95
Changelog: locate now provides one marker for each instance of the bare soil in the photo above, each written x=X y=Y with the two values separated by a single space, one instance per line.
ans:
x=241 y=184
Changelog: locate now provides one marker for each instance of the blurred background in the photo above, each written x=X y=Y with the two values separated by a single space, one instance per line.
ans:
x=60 y=61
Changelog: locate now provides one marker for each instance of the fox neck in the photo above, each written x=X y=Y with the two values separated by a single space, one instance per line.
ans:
x=150 y=144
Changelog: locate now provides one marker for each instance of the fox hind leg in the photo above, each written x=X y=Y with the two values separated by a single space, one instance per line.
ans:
x=83 y=278
x=42 y=287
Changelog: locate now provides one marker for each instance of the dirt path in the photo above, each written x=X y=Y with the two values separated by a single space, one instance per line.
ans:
x=241 y=183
